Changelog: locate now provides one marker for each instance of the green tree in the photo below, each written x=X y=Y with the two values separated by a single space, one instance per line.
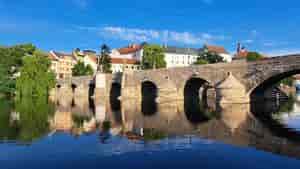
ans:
x=207 y=57
x=35 y=78
x=104 y=62
x=253 y=56
x=201 y=62
x=10 y=63
x=81 y=70
x=289 y=81
x=153 y=57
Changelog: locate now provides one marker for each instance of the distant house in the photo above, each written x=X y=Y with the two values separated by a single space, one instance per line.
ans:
x=62 y=64
x=133 y=51
x=88 y=57
x=127 y=58
x=180 y=57
x=124 y=64
x=221 y=51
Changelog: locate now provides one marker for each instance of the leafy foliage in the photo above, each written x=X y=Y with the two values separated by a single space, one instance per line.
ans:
x=33 y=122
x=151 y=134
x=289 y=81
x=253 y=56
x=207 y=57
x=153 y=57
x=35 y=79
x=201 y=62
x=10 y=63
x=34 y=118
x=81 y=70
x=104 y=62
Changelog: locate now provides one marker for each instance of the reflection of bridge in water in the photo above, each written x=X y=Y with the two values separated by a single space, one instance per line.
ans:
x=233 y=124
x=172 y=105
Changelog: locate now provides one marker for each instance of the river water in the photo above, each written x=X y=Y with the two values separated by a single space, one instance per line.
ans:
x=110 y=134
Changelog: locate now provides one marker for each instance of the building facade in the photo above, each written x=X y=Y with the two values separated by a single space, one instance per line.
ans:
x=127 y=58
x=62 y=64
x=221 y=51
x=133 y=51
x=88 y=57
x=123 y=64
x=180 y=57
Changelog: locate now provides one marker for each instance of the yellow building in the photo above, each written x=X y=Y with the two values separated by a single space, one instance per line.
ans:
x=62 y=64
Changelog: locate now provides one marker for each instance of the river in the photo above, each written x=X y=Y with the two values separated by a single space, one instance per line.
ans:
x=112 y=134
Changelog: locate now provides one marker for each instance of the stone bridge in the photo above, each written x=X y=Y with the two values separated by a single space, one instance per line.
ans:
x=75 y=87
x=234 y=82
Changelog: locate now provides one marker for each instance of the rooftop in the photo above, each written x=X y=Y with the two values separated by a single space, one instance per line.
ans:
x=124 y=61
x=130 y=49
x=177 y=50
x=58 y=55
x=216 y=49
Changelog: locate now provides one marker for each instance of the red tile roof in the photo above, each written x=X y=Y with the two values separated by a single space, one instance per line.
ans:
x=130 y=49
x=124 y=61
x=216 y=49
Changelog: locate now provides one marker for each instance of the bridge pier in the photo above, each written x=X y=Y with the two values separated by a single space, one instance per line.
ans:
x=231 y=91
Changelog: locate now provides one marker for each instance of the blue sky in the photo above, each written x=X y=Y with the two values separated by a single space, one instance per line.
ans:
x=268 y=26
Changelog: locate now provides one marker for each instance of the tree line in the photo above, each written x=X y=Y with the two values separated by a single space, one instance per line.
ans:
x=25 y=71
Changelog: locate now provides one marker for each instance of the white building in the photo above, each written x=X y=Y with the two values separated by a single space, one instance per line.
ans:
x=127 y=58
x=133 y=51
x=221 y=51
x=121 y=65
x=62 y=64
x=180 y=57
x=88 y=57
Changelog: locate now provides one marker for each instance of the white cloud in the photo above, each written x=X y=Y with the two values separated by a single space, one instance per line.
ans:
x=166 y=36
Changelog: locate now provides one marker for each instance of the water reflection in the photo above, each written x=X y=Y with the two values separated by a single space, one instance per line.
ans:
x=264 y=126
x=25 y=121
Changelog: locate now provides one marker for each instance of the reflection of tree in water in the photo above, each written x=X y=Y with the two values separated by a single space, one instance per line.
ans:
x=151 y=134
x=79 y=120
x=34 y=115
x=8 y=131
x=105 y=134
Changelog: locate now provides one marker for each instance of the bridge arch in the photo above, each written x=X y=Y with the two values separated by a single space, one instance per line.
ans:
x=149 y=95
x=195 y=99
x=114 y=96
x=73 y=87
x=269 y=81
